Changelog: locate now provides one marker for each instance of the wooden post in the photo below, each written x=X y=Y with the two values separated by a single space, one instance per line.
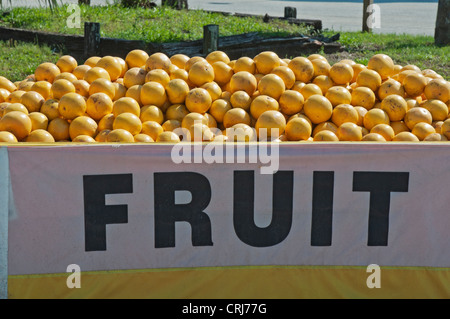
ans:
x=87 y=2
x=290 y=12
x=210 y=38
x=91 y=39
x=442 y=30
x=365 y=25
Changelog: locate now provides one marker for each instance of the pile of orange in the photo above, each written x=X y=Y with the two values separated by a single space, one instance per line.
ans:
x=150 y=97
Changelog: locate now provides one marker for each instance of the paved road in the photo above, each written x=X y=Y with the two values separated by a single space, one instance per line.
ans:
x=413 y=17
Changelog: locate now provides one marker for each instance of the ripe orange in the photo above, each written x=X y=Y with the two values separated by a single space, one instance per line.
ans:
x=241 y=99
x=395 y=106
x=201 y=72
x=198 y=100
x=129 y=122
x=324 y=82
x=373 y=137
x=168 y=137
x=414 y=84
x=222 y=72
x=271 y=85
x=244 y=64
x=39 y=136
x=270 y=124
x=384 y=130
x=136 y=58
x=422 y=130
x=16 y=122
x=349 y=132
x=338 y=95
x=98 y=105
x=80 y=71
x=375 y=116
x=120 y=89
x=191 y=118
x=437 y=89
x=389 y=87
x=382 y=64
x=291 y=102
x=369 y=78
x=177 y=90
x=266 y=61
x=61 y=87
x=158 y=75
x=33 y=101
x=106 y=122
x=363 y=96
x=134 y=92
x=126 y=105
x=7 y=84
x=321 y=67
x=341 y=73
x=324 y=126
x=92 y=61
x=261 y=104
x=38 y=121
x=179 y=60
x=15 y=107
x=112 y=65
x=96 y=73
x=7 y=137
x=405 y=137
x=310 y=89
x=143 y=138
x=153 y=93
x=325 y=136
x=318 y=108
x=59 y=129
x=84 y=139
x=243 y=81
x=72 y=105
x=151 y=113
x=235 y=116
x=134 y=76
x=119 y=136
x=152 y=129
x=239 y=133
x=82 y=125
x=46 y=71
x=298 y=129
x=158 y=60
x=438 y=109
x=302 y=68
x=171 y=125
x=286 y=74
x=219 y=107
x=417 y=115
x=343 y=113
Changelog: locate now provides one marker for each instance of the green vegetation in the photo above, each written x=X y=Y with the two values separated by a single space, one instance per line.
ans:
x=17 y=60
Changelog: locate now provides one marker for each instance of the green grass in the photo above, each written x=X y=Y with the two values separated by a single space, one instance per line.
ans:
x=161 y=24
x=19 y=60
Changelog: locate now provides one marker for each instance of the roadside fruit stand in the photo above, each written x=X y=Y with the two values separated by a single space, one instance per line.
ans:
x=156 y=176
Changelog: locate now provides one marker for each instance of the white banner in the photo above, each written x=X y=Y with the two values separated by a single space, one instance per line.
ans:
x=4 y=200
x=131 y=207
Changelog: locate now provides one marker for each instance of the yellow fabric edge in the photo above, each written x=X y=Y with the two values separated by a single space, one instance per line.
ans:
x=238 y=282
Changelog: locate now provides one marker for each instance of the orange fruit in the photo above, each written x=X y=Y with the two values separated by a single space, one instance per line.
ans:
x=136 y=58
x=4 y=93
x=72 y=105
x=382 y=64
x=120 y=91
x=158 y=75
x=373 y=137
x=399 y=126
x=176 y=112
x=417 y=115
x=198 y=100
x=66 y=76
x=395 y=106
x=81 y=87
x=438 y=109
x=321 y=67
x=291 y=102
x=38 y=121
x=126 y=105
x=152 y=129
x=39 y=136
x=46 y=71
x=102 y=85
x=42 y=87
x=298 y=129
x=33 y=101
x=323 y=126
x=235 y=116
x=216 y=56
x=171 y=125
x=98 y=105
x=25 y=85
x=324 y=82
x=191 y=118
x=50 y=109
x=7 y=137
x=343 y=113
x=168 y=137
x=129 y=122
x=219 y=107
x=59 y=129
x=151 y=113
x=124 y=66
x=437 y=89
x=143 y=138
x=84 y=139
x=375 y=116
x=243 y=81
x=177 y=90
x=67 y=63
x=271 y=85
x=239 y=133
x=389 y=87
x=318 y=108
x=363 y=96
x=112 y=65
x=16 y=122
x=96 y=73
x=7 y=84
x=422 y=130
x=201 y=72
x=349 y=132
x=61 y=87
x=15 y=107
x=302 y=68
x=266 y=61
x=310 y=89
x=80 y=71
x=134 y=92
x=241 y=99
x=341 y=73
x=106 y=122
x=414 y=84
x=244 y=64
x=213 y=89
x=179 y=60
x=270 y=124
x=338 y=95
x=369 y=78
x=134 y=76
x=158 y=60
x=405 y=137
x=435 y=137
x=384 y=130
x=92 y=61
x=189 y=63
x=153 y=93
x=222 y=72
x=325 y=136
x=286 y=74
x=82 y=125
x=357 y=68
x=15 y=96
x=263 y=103
x=445 y=128
x=119 y=136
